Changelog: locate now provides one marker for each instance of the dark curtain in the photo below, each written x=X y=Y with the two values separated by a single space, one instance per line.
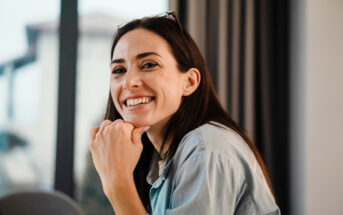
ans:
x=246 y=44
x=272 y=93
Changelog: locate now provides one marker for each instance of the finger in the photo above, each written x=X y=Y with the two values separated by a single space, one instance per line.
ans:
x=122 y=127
x=137 y=133
x=103 y=125
x=93 y=132
x=118 y=121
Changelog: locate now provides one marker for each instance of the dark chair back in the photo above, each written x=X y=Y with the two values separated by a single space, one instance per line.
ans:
x=38 y=203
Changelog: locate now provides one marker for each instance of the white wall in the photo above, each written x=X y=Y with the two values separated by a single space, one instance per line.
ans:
x=317 y=121
x=324 y=98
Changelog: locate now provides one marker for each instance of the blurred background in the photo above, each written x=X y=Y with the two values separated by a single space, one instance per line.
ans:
x=277 y=67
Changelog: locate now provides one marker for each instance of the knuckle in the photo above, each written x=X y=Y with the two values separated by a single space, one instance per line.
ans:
x=129 y=126
x=108 y=130
x=105 y=123
x=97 y=137
x=91 y=146
x=115 y=126
x=93 y=131
x=118 y=124
x=121 y=126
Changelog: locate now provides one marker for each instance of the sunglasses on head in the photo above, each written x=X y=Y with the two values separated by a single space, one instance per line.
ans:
x=168 y=14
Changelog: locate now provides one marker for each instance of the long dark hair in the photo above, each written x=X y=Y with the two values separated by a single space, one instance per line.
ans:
x=195 y=110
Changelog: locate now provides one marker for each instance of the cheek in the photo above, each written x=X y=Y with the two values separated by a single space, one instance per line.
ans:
x=173 y=81
x=173 y=88
x=115 y=92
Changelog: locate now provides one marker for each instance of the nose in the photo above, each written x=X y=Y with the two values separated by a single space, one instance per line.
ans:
x=132 y=79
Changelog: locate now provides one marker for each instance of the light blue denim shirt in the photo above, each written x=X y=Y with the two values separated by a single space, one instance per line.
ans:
x=212 y=172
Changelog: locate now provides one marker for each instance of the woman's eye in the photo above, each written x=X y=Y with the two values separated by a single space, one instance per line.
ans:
x=118 y=70
x=149 y=65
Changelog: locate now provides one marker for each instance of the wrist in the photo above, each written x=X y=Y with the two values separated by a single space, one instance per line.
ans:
x=123 y=195
x=119 y=185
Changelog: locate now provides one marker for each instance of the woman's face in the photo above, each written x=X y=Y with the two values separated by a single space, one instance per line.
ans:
x=146 y=85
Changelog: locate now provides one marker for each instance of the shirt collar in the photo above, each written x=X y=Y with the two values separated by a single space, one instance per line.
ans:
x=165 y=170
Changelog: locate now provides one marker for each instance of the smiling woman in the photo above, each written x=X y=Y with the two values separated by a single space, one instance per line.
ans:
x=167 y=143
x=144 y=69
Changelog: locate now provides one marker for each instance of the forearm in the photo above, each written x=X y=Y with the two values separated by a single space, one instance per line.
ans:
x=124 y=197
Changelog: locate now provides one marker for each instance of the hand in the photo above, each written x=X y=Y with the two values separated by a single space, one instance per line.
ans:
x=116 y=148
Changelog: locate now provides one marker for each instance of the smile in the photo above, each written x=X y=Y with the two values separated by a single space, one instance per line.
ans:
x=138 y=101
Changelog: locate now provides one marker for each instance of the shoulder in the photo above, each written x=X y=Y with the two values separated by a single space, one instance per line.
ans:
x=213 y=140
x=217 y=149
x=216 y=159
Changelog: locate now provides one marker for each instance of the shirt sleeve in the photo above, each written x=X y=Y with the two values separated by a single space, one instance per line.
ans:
x=205 y=184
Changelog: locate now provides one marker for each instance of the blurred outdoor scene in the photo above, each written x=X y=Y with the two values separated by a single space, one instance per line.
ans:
x=29 y=90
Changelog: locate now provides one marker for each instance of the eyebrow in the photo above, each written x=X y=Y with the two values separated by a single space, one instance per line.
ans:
x=139 y=56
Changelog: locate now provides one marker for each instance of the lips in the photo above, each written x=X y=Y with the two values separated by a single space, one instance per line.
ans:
x=137 y=100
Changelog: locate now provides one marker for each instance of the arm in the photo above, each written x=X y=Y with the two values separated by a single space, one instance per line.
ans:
x=124 y=197
x=116 y=148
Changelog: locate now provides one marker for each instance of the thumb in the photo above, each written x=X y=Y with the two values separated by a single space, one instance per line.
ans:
x=137 y=133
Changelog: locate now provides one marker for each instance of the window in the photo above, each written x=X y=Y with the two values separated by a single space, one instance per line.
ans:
x=98 y=21
x=28 y=89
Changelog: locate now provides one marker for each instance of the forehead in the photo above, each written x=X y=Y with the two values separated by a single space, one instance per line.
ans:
x=139 y=41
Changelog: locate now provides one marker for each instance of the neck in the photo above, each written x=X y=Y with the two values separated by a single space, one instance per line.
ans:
x=156 y=135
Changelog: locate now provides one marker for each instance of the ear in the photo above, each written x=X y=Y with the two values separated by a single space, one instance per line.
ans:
x=192 y=81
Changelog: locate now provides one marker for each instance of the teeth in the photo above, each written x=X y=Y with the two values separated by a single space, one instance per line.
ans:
x=132 y=102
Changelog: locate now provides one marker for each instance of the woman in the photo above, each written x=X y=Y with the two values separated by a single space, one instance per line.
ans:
x=167 y=146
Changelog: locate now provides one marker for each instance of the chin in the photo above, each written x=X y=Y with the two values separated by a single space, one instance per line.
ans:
x=138 y=123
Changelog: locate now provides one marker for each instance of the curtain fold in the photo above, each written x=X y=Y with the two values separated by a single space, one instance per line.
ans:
x=272 y=93
x=245 y=44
